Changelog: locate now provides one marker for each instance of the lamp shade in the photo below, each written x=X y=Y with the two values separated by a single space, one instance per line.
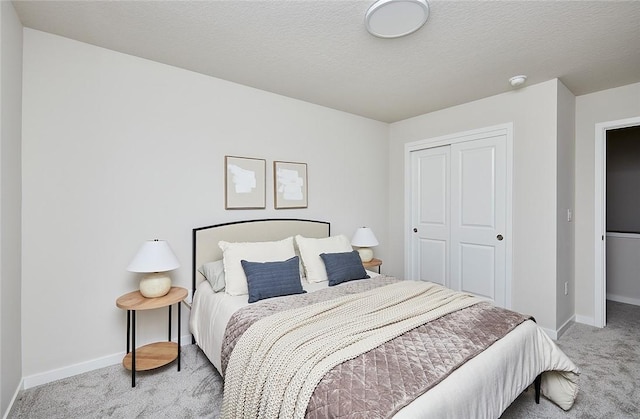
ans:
x=364 y=237
x=154 y=256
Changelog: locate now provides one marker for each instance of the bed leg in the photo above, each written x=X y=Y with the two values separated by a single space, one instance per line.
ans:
x=536 y=385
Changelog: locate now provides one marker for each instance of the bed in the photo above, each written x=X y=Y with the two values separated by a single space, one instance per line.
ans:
x=482 y=384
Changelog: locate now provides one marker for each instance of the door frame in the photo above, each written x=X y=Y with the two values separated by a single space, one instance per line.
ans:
x=600 y=216
x=476 y=134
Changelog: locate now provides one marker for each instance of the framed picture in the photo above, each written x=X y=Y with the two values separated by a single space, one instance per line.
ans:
x=244 y=180
x=290 y=184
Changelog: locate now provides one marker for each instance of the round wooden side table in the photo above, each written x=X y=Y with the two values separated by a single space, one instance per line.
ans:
x=156 y=354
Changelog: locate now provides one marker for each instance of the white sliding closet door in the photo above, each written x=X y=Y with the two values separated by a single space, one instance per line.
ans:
x=478 y=218
x=458 y=216
x=431 y=213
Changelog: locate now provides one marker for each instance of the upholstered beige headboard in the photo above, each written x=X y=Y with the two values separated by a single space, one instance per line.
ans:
x=205 y=239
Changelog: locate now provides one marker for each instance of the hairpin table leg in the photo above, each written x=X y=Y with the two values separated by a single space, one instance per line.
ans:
x=537 y=387
x=133 y=348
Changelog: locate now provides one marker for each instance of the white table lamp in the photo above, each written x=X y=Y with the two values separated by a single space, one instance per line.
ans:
x=155 y=258
x=363 y=240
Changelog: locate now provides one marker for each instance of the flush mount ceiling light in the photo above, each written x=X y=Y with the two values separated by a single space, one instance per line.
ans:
x=396 y=18
x=517 y=81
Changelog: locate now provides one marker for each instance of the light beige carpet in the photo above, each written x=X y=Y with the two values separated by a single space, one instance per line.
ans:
x=609 y=360
x=609 y=385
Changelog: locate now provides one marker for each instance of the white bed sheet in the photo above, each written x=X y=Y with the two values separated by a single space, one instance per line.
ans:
x=481 y=388
x=211 y=312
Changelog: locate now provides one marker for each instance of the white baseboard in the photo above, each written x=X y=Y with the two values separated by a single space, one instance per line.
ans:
x=555 y=334
x=82 y=367
x=13 y=399
x=565 y=326
x=622 y=299
x=589 y=321
x=71 y=370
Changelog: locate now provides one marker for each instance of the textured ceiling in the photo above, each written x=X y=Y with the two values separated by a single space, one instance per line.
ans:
x=319 y=51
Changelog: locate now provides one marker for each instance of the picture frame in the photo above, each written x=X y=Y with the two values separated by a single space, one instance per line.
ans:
x=290 y=185
x=245 y=183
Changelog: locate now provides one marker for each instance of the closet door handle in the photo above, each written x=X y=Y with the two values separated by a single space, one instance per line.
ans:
x=499 y=237
x=415 y=230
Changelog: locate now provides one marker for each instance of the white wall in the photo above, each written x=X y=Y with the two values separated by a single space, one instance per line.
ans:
x=10 y=203
x=607 y=105
x=566 y=122
x=118 y=149
x=533 y=111
x=623 y=266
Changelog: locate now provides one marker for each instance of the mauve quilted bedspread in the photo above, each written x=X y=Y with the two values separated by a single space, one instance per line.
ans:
x=378 y=383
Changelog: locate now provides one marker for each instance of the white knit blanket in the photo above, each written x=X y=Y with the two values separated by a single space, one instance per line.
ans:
x=279 y=360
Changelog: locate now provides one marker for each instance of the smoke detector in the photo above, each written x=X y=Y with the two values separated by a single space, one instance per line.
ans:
x=517 y=81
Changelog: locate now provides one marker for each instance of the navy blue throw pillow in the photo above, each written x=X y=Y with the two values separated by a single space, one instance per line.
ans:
x=272 y=279
x=343 y=267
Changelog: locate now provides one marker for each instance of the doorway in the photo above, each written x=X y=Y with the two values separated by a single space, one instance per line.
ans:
x=600 y=239
x=622 y=210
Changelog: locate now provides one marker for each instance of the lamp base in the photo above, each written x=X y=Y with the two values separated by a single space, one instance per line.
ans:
x=155 y=285
x=366 y=253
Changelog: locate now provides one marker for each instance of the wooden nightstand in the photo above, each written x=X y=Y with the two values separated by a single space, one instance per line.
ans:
x=373 y=263
x=156 y=354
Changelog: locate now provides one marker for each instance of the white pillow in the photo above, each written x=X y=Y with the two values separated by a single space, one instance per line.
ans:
x=310 y=250
x=233 y=253
x=214 y=272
